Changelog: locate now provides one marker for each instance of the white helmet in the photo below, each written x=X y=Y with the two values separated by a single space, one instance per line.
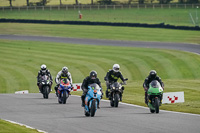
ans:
x=65 y=70
x=116 y=67
x=43 y=68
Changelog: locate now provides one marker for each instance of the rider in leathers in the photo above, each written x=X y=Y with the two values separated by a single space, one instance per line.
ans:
x=87 y=81
x=152 y=76
x=64 y=73
x=42 y=72
x=112 y=76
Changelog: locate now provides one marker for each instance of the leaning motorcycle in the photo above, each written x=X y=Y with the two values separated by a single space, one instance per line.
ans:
x=155 y=93
x=46 y=86
x=64 y=91
x=92 y=99
x=116 y=90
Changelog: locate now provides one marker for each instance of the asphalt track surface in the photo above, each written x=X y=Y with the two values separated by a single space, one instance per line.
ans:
x=177 y=46
x=48 y=115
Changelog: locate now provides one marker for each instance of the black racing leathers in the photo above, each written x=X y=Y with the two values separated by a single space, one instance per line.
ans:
x=39 y=77
x=113 y=76
x=86 y=82
x=149 y=79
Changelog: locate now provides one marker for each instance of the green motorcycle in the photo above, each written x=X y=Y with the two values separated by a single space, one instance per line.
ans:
x=155 y=93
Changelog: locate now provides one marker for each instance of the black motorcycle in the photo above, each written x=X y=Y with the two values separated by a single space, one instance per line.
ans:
x=46 y=86
x=115 y=95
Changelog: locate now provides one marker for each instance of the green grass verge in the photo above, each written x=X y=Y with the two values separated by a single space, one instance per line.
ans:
x=102 y=32
x=180 y=71
x=7 y=127
x=171 y=16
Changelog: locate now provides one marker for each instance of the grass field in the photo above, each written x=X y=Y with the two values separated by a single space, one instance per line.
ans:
x=103 y=32
x=57 y=2
x=21 y=60
x=171 y=16
x=7 y=127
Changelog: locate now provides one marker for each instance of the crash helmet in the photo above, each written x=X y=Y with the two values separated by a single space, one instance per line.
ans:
x=93 y=74
x=116 y=67
x=43 y=68
x=65 y=70
x=152 y=73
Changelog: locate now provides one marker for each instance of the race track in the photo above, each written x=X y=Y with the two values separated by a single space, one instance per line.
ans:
x=49 y=116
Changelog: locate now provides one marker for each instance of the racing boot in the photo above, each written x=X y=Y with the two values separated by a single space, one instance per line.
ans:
x=146 y=100
x=83 y=101
x=56 y=90
x=107 y=94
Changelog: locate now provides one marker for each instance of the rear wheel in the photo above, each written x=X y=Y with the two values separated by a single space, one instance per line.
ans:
x=93 y=108
x=157 y=105
x=116 y=100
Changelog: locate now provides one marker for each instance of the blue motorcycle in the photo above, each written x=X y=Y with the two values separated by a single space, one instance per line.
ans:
x=64 y=91
x=92 y=99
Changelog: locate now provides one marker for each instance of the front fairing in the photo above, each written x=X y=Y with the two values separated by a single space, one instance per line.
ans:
x=155 y=88
x=116 y=87
x=45 y=80
x=64 y=88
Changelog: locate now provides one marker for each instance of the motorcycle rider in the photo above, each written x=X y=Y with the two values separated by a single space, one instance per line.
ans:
x=43 y=71
x=64 y=73
x=87 y=81
x=112 y=76
x=152 y=76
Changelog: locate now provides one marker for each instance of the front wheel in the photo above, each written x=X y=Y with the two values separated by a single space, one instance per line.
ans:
x=116 y=100
x=157 y=105
x=64 y=97
x=46 y=92
x=93 y=108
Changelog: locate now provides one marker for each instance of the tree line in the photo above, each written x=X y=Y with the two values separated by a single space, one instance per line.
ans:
x=109 y=2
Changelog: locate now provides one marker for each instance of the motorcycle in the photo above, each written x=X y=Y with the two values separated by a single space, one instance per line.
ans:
x=155 y=93
x=46 y=86
x=92 y=99
x=116 y=90
x=64 y=91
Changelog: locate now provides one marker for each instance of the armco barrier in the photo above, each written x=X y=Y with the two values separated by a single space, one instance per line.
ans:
x=161 y=25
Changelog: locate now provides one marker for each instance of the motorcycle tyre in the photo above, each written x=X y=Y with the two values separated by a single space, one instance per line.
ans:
x=93 y=108
x=116 y=100
x=157 y=105
x=64 y=97
x=45 y=92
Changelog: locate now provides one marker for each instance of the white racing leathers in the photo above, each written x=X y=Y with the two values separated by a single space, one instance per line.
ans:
x=61 y=75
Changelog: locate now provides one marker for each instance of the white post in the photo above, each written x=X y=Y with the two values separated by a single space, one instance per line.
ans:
x=66 y=8
x=197 y=17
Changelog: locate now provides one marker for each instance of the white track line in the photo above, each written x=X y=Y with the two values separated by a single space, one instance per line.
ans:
x=133 y=105
x=41 y=131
